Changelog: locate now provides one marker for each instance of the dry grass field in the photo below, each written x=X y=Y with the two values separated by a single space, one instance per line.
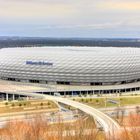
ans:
x=40 y=129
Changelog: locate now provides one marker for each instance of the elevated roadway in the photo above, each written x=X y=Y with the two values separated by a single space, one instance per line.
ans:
x=105 y=121
x=108 y=124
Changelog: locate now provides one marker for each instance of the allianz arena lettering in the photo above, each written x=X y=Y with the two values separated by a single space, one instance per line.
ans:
x=38 y=63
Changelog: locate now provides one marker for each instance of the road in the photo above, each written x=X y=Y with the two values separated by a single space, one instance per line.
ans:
x=55 y=118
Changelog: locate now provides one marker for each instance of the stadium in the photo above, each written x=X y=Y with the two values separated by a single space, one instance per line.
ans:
x=73 y=69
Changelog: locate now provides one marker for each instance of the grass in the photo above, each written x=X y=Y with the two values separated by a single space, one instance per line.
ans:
x=130 y=101
x=20 y=106
x=101 y=102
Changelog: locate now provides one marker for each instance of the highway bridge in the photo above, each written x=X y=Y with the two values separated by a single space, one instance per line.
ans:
x=108 y=124
x=104 y=120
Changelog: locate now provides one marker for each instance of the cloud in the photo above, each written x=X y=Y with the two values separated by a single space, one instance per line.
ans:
x=33 y=9
x=70 y=17
x=124 y=5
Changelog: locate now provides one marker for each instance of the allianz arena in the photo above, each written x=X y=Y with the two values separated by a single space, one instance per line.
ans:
x=99 y=67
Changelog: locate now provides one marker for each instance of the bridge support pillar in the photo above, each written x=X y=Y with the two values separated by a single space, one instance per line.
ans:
x=18 y=97
x=13 y=97
x=64 y=94
x=27 y=98
x=71 y=93
x=80 y=93
x=7 y=97
x=87 y=92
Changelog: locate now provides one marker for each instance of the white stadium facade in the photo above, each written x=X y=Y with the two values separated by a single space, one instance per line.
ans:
x=73 y=70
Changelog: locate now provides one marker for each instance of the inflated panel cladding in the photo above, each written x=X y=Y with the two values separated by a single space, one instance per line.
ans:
x=73 y=64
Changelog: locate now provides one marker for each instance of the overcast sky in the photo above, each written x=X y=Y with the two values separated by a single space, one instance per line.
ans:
x=70 y=18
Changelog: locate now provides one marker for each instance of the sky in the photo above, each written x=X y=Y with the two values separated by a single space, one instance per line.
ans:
x=70 y=18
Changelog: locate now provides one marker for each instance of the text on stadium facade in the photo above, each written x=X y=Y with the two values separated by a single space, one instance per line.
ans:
x=39 y=63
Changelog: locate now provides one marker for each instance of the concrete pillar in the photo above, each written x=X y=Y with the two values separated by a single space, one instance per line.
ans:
x=87 y=92
x=6 y=97
x=18 y=97
x=93 y=92
x=124 y=90
x=13 y=97
x=27 y=98
x=110 y=92
x=64 y=94
x=101 y=92
x=72 y=93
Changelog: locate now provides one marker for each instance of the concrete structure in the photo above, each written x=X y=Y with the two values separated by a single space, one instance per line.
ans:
x=108 y=124
x=71 y=65
x=13 y=88
x=73 y=70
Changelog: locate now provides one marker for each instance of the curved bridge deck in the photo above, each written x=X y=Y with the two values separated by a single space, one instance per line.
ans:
x=109 y=125
x=105 y=121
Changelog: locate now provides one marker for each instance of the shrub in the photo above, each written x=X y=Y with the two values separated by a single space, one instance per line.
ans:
x=90 y=99
x=82 y=100
x=13 y=105
x=49 y=103
x=20 y=104
x=6 y=103
x=97 y=101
